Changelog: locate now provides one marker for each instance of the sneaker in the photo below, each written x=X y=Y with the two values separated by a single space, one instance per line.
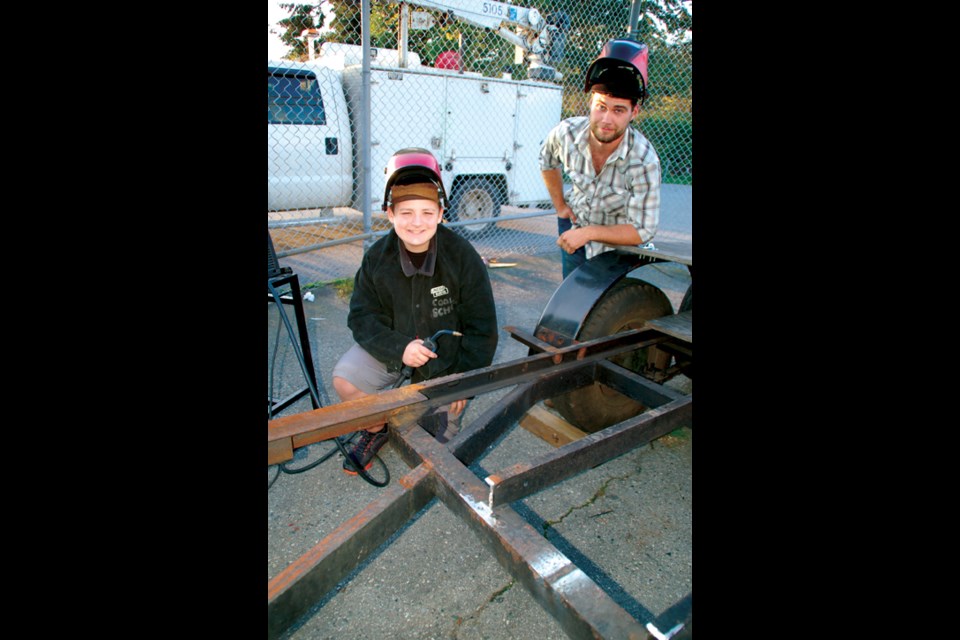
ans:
x=364 y=450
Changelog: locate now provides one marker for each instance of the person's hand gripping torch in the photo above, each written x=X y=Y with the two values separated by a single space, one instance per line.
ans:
x=429 y=343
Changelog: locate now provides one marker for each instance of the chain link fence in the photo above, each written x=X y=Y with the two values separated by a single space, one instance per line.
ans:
x=479 y=84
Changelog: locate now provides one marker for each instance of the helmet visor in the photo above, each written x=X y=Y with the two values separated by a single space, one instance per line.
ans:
x=617 y=59
x=413 y=165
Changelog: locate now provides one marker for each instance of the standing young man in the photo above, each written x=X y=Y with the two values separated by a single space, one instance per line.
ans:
x=614 y=169
x=419 y=279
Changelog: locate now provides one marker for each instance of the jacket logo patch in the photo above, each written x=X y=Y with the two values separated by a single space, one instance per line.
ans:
x=439 y=291
x=442 y=307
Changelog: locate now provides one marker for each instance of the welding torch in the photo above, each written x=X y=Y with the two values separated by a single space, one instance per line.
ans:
x=429 y=343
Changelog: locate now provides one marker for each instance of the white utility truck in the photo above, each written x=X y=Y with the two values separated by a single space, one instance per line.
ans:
x=486 y=132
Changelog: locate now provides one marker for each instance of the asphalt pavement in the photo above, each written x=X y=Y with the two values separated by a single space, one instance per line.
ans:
x=626 y=523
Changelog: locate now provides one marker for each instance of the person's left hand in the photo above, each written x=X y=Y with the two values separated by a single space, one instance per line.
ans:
x=572 y=240
x=457 y=407
x=416 y=355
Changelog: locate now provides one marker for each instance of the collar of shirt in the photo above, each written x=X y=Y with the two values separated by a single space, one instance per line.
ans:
x=429 y=262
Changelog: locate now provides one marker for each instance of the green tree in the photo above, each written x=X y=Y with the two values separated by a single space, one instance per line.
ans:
x=662 y=24
x=385 y=28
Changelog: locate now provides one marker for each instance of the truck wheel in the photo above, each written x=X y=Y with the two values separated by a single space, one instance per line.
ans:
x=627 y=305
x=475 y=199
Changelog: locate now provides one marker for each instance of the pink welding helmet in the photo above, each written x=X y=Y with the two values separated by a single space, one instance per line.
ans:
x=412 y=165
x=620 y=70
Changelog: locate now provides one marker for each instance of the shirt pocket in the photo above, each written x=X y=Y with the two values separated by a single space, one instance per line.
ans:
x=582 y=191
x=613 y=203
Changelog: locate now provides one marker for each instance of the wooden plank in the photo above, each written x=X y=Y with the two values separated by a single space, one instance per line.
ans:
x=550 y=427
x=526 y=478
x=678 y=325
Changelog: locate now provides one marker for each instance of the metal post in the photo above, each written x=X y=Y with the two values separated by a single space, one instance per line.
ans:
x=365 y=166
x=404 y=32
x=632 y=28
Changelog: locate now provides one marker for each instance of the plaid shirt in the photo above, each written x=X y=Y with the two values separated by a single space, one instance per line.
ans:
x=627 y=191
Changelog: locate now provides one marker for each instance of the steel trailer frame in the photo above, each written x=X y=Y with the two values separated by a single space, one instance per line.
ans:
x=579 y=604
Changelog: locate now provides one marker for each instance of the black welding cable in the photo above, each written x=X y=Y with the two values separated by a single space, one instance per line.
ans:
x=316 y=398
x=274 y=479
x=286 y=468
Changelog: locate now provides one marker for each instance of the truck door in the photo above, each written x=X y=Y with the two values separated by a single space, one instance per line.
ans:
x=309 y=159
x=479 y=124
x=538 y=110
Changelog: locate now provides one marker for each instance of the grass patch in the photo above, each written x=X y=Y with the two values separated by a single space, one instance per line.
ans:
x=342 y=286
x=675 y=438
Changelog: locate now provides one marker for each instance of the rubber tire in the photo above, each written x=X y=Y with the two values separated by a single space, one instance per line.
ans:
x=474 y=199
x=626 y=305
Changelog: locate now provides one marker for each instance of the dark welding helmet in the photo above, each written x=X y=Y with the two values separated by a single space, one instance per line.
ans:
x=620 y=70
x=409 y=166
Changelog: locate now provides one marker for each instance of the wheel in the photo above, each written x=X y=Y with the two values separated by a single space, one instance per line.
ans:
x=475 y=199
x=627 y=305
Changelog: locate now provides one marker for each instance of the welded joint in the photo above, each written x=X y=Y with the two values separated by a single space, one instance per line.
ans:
x=549 y=337
x=492 y=481
x=659 y=635
x=481 y=508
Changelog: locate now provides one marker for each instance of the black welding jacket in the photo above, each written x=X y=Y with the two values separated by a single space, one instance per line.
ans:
x=394 y=303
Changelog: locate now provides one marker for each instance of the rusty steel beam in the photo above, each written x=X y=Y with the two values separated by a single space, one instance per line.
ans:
x=474 y=438
x=301 y=585
x=525 y=479
x=288 y=432
x=300 y=429
x=532 y=341
x=634 y=385
x=582 y=608
x=579 y=605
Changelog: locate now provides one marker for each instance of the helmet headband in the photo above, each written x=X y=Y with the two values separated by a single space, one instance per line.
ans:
x=416 y=191
x=413 y=165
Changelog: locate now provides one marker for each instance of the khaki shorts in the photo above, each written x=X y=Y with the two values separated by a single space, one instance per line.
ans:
x=364 y=371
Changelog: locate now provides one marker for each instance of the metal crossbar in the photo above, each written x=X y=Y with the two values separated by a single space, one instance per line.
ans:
x=579 y=604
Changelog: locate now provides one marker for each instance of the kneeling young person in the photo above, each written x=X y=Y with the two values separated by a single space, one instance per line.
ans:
x=418 y=279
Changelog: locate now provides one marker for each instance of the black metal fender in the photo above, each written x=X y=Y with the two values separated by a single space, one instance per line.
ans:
x=568 y=307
